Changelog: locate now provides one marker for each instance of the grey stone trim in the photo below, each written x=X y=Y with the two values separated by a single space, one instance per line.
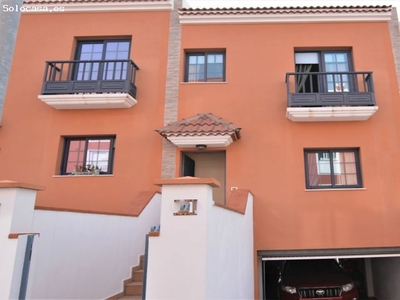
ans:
x=9 y=22
x=168 y=159
x=172 y=89
x=394 y=27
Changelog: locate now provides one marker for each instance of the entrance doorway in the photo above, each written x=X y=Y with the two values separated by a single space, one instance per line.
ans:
x=206 y=165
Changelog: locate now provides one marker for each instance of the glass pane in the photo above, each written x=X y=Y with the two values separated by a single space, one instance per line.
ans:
x=91 y=52
x=75 y=155
x=122 y=55
x=192 y=60
x=111 y=55
x=117 y=50
x=329 y=58
x=337 y=62
x=98 y=48
x=87 y=48
x=214 y=69
x=342 y=67
x=86 y=56
x=196 y=68
x=319 y=170
x=341 y=57
x=112 y=46
x=98 y=154
x=345 y=169
x=123 y=46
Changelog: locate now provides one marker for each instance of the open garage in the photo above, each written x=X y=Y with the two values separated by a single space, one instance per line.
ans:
x=373 y=272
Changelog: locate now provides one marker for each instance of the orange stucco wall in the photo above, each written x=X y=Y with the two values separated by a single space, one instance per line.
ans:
x=31 y=132
x=269 y=158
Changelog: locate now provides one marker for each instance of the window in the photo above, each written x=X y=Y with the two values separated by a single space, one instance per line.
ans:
x=336 y=168
x=324 y=62
x=106 y=53
x=83 y=153
x=205 y=67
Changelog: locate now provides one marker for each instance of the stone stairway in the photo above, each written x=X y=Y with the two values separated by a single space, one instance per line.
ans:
x=132 y=286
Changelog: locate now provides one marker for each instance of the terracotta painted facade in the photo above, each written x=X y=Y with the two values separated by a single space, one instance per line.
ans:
x=36 y=139
x=268 y=159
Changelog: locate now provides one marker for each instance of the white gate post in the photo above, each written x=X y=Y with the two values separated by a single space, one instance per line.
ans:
x=17 y=203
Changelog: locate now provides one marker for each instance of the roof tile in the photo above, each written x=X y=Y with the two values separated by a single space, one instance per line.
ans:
x=283 y=10
x=205 y=124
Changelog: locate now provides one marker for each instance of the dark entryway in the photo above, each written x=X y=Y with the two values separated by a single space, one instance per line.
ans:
x=206 y=165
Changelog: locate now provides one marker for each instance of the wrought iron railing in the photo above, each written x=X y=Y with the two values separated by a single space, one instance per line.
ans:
x=89 y=76
x=330 y=89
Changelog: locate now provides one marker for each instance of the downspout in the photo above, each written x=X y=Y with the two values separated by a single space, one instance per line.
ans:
x=9 y=22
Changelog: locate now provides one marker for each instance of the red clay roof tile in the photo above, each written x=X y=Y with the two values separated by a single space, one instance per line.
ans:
x=284 y=10
x=204 y=124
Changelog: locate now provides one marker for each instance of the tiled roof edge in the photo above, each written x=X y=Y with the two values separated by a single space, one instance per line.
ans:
x=314 y=14
x=287 y=8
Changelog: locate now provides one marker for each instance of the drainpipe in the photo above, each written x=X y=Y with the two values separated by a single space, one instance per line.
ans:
x=9 y=21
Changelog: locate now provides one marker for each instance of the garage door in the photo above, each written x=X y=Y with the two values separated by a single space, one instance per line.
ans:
x=378 y=268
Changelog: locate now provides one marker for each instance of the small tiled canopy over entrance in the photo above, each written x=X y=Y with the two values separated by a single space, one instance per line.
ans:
x=201 y=129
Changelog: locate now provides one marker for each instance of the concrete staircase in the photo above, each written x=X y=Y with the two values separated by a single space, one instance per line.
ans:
x=132 y=286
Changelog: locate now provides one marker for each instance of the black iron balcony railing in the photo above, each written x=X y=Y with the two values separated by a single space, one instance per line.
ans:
x=89 y=76
x=330 y=89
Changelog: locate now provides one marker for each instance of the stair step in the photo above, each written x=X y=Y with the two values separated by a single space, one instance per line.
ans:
x=138 y=275
x=133 y=288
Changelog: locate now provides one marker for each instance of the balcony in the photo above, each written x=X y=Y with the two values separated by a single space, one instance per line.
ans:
x=91 y=84
x=330 y=96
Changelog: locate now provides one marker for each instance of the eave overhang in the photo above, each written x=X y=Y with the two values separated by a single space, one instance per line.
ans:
x=218 y=141
x=202 y=129
x=285 y=15
x=67 y=6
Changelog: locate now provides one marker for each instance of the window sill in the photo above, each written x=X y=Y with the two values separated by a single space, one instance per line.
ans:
x=203 y=82
x=330 y=189
x=93 y=175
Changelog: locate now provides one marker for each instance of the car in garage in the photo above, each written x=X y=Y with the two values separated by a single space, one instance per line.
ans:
x=315 y=279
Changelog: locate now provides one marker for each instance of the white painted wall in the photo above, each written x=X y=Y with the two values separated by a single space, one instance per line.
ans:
x=206 y=256
x=16 y=211
x=386 y=274
x=177 y=258
x=86 y=256
x=230 y=265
